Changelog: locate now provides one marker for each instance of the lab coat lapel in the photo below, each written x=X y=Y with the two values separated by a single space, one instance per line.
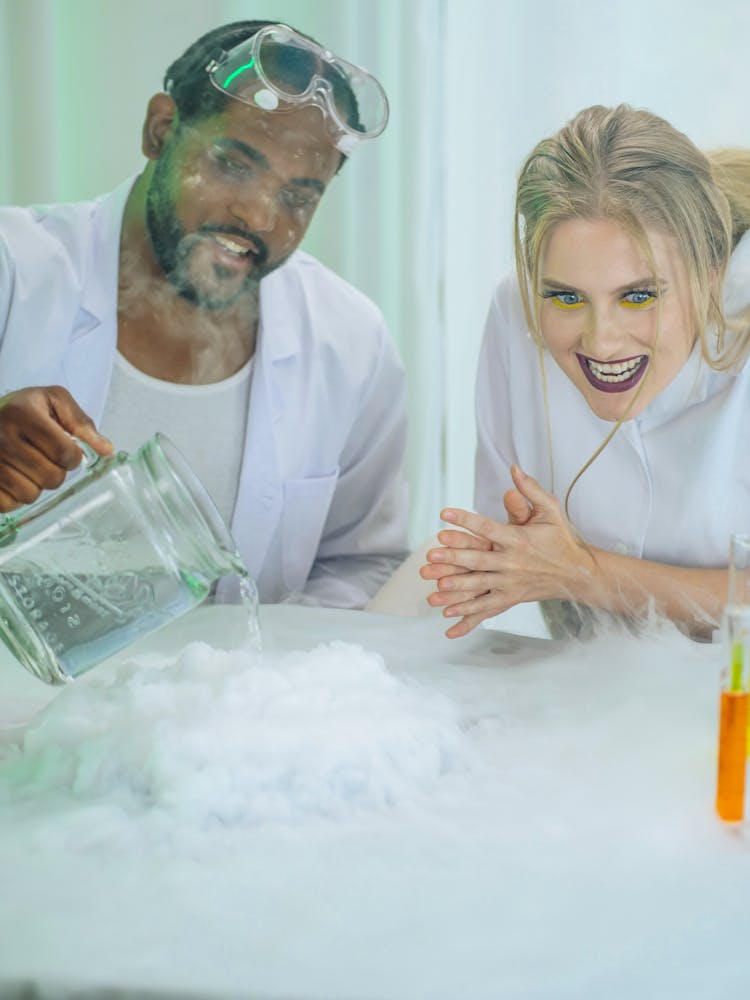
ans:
x=87 y=365
x=260 y=496
x=88 y=362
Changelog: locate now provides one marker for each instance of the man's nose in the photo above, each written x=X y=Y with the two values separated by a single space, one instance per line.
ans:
x=257 y=211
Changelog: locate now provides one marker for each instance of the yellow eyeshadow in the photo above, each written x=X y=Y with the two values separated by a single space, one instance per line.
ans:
x=566 y=305
x=639 y=305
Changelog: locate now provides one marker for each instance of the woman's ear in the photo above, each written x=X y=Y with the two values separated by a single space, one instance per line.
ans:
x=160 y=114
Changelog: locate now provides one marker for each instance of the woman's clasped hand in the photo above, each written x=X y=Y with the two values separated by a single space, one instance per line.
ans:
x=487 y=567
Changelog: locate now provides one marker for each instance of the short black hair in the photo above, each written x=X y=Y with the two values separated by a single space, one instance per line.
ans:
x=190 y=87
x=187 y=81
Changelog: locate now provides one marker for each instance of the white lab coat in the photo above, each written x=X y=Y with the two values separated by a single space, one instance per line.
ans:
x=321 y=505
x=671 y=485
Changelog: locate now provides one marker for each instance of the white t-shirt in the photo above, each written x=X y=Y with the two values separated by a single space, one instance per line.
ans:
x=206 y=422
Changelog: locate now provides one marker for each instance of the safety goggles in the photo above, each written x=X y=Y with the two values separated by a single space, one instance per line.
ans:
x=280 y=70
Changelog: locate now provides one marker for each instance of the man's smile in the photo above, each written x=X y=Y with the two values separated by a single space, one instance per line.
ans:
x=232 y=246
x=235 y=247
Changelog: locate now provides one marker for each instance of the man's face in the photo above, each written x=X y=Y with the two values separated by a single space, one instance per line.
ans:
x=231 y=197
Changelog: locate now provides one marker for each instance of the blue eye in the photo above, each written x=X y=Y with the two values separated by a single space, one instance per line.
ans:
x=639 y=297
x=562 y=298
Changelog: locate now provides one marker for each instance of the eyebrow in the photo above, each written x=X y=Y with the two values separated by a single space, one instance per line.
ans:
x=249 y=151
x=257 y=157
x=637 y=283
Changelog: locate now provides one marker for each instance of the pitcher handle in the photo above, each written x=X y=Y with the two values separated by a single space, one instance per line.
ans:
x=10 y=523
x=90 y=457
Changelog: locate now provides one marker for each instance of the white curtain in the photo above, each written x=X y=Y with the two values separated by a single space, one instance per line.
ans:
x=421 y=219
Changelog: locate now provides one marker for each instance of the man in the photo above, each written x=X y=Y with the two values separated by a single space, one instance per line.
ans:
x=180 y=303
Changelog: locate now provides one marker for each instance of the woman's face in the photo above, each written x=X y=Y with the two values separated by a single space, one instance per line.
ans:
x=599 y=312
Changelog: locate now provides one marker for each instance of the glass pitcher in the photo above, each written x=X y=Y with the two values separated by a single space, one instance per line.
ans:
x=132 y=543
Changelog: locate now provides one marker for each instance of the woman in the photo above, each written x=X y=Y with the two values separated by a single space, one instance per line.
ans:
x=613 y=403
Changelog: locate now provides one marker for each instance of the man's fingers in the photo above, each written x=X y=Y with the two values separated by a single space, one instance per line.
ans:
x=37 y=448
x=17 y=489
x=36 y=427
x=69 y=415
x=7 y=502
x=36 y=470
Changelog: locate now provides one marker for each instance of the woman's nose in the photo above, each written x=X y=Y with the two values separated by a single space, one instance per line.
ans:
x=601 y=335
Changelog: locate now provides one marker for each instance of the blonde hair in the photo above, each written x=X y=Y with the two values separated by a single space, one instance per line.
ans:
x=731 y=170
x=633 y=167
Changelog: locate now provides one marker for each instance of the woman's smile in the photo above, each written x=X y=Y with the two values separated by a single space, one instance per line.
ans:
x=614 y=376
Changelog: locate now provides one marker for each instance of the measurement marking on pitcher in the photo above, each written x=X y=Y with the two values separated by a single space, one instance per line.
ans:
x=94 y=596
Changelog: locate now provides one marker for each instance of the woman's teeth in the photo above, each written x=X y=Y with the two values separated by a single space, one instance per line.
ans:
x=620 y=371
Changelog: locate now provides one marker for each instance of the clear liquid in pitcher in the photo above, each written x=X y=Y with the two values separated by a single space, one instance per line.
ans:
x=132 y=544
x=83 y=618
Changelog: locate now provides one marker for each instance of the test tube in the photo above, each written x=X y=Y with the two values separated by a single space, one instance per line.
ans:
x=733 y=715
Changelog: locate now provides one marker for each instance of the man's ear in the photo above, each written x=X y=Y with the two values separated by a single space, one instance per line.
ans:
x=160 y=114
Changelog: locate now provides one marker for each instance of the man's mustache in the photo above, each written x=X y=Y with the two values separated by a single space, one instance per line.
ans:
x=261 y=249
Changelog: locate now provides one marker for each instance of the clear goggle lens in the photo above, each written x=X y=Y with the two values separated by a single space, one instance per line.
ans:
x=279 y=70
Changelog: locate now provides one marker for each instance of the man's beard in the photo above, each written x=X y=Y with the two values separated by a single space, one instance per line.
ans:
x=175 y=249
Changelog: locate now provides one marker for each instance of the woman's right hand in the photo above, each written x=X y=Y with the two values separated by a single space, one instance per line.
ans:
x=487 y=567
x=36 y=447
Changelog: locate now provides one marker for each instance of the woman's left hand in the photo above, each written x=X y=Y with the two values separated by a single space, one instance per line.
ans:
x=489 y=567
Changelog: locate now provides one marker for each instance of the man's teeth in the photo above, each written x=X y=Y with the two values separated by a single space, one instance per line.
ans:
x=231 y=246
x=620 y=371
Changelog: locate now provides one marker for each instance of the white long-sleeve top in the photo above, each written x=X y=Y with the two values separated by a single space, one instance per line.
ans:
x=672 y=484
x=321 y=506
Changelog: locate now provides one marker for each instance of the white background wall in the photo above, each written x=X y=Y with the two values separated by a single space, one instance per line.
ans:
x=420 y=220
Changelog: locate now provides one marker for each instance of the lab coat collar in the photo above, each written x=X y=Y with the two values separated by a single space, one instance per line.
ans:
x=689 y=386
x=281 y=334
x=260 y=496
x=99 y=298
x=257 y=509
x=89 y=357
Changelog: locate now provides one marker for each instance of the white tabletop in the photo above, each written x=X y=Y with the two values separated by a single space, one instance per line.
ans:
x=491 y=817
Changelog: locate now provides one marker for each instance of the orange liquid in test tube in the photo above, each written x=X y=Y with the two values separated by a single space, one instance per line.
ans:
x=730 y=792
x=735 y=683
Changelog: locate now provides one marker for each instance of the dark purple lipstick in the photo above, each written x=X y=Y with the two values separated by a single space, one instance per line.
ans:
x=593 y=370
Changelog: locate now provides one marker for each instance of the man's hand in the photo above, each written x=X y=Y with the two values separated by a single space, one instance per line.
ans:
x=36 y=447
